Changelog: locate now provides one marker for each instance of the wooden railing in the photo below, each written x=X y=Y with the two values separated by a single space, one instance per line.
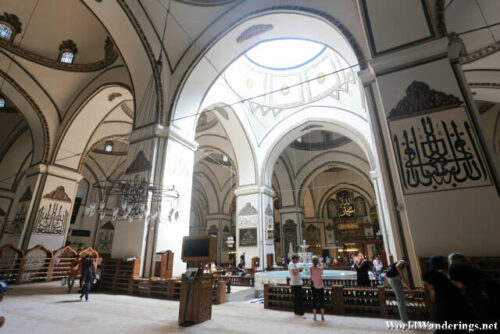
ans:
x=39 y=264
x=339 y=300
x=330 y=282
x=235 y=280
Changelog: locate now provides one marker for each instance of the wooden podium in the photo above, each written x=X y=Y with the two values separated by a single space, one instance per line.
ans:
x=198 y=299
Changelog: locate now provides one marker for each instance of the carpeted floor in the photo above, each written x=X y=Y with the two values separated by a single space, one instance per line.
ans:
x=46 y=308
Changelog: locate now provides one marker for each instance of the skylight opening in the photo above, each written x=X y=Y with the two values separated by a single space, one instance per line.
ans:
x=284 y=54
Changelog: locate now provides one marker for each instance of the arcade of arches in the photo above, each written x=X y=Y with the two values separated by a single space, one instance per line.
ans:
x=353 y=126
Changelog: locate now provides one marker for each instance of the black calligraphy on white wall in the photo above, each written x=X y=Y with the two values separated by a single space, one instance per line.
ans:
x=51 y=219
x=438 y=151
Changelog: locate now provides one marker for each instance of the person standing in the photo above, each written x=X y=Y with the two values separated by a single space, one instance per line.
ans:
x=88 y=277
x=397 y=279
x=74 y=270
x=377 y=264
x=242 y=259
x=296 y=282
x=317 y=287
x=362 y=267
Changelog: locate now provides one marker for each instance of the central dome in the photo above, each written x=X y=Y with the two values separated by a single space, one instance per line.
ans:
x=284 y=54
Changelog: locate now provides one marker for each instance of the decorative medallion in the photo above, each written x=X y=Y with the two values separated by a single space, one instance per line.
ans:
x=113 y=96
x=254 y=31
x=58 y=195
x=27 y=195
x=419 y=97
x=13 y=20
x=140 y=164
x=248 y=210
x=321 y=78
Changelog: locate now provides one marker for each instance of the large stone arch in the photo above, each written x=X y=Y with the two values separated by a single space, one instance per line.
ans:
x=286 y=21
x=342 y=122
x=87 y=126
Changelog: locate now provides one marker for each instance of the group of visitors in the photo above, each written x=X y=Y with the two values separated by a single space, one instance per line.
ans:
x=86 y=268
x=459 y=292
x=317 y=287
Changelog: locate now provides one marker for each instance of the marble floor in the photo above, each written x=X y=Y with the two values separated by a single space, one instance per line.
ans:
x=46 y=308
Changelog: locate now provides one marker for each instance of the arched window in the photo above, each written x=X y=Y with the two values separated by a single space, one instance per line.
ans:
x=67 y=57
x=67 y=52
x=2 y=102
x=5 y=32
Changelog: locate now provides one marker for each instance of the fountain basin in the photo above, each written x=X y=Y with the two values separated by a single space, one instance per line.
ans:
x=279 y=277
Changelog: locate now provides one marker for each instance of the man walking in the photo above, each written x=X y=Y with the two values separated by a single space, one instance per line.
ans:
x=397 y=279
x=296 y=282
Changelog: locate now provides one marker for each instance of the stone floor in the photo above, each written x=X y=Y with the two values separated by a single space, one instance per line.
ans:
x=46 y=308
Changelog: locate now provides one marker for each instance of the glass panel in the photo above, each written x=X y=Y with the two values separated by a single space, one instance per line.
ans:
x=2 y=102
x=67 y=57
x=5 y=32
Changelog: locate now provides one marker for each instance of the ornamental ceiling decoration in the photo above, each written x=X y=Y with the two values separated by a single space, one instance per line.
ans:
x=110 y=55
x=248 y=210
x=419 y=97
x=27 y=195
x=140 y=164
x=269 y=91
x=254 y=31
x=12 y=20
x=58 y=195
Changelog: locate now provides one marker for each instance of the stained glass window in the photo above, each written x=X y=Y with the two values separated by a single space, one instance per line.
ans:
x=5 y=32
x=67 y=57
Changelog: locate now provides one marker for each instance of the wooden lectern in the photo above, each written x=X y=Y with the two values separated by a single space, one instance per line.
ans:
x=196 y=289
x=199 y=299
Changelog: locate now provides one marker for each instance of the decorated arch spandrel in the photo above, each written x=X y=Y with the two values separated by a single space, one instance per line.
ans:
x=37 y=265
x=62 y=262
x=90 y=252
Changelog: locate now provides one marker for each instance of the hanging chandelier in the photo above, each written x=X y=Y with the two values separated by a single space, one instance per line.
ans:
x=133 y=197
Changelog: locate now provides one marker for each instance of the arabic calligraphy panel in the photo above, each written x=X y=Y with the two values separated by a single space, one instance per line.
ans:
x=438 y=151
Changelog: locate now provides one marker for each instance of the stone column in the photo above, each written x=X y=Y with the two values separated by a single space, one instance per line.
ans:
x=222 y=224
x=48 y=212
x=174 y=221
x=435 y=168
x=292 y=217
x=254 y=210
x=145 y=154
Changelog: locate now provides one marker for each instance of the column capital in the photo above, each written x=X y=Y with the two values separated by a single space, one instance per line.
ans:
x=57 y=171
x=400 y=59
x=291 y=209
x=254 y=189
x=174 y=134
x=218 y=216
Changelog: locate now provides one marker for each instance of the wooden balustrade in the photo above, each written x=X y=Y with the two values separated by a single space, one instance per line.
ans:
x=39 y=264
x=330 y=282
x=236 y=280
x=340 y=300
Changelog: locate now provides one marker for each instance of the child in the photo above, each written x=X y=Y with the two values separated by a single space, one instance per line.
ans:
x=3 y=291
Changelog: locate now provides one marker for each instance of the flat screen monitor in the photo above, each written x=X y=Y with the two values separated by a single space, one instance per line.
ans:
x=199 y=248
